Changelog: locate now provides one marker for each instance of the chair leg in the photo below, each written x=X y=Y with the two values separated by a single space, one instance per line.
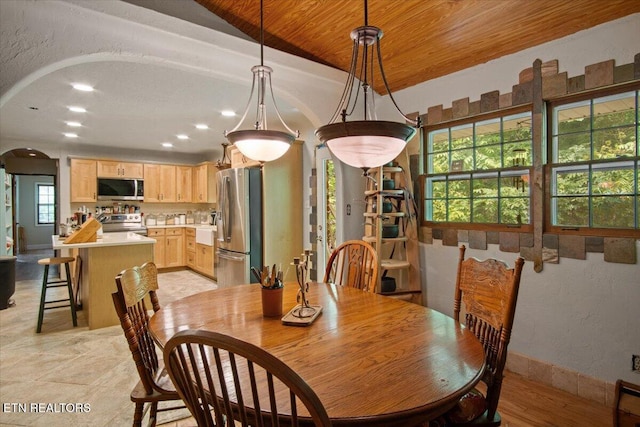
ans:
x=72 y=301
x=153 y=414
x=43 y=296
x=137 y=414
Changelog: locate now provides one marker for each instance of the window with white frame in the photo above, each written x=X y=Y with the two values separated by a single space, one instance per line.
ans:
x=45 y=204
x=478 y=171
x=595 y=163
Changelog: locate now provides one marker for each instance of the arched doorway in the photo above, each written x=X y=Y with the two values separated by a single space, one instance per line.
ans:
x=30 y=209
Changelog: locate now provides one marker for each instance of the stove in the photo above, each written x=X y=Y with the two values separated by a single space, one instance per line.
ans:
x=112 y=223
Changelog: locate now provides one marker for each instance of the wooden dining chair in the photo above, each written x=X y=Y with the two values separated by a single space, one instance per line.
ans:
x=354 y=263
x=251 y=386
x=487 y=292
x=134 y=285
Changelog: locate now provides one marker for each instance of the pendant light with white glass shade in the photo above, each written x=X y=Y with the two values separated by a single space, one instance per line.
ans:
x=368 y=142
x=260 y=143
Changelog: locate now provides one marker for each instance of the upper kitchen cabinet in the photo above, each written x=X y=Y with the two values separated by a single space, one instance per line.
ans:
x=204 y=183
x=184 y=181
x=84 y=183
x=160 y=183
x=116 y=169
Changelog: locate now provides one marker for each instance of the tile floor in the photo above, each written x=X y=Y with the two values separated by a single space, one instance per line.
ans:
x=66 y=365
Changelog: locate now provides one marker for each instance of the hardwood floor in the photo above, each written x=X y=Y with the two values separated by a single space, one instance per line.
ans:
x=525 y=403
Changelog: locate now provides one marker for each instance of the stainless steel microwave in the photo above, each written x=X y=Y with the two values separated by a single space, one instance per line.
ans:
x=120 y=189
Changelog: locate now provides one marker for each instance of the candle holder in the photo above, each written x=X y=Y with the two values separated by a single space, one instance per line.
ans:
x=304 y=313
x=302 y=266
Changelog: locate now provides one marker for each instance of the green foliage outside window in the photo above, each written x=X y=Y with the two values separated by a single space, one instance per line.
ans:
x=331 y=219
x=479 y=172
x=595 y=166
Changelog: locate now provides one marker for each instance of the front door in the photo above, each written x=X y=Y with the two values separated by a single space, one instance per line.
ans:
x=326 y=231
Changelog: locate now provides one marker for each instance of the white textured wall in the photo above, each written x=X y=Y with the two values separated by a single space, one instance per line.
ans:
x=37 y=236
x=580 y=315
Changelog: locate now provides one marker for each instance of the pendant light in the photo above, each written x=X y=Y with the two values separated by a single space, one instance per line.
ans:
x=260 y=143
x=368 y=142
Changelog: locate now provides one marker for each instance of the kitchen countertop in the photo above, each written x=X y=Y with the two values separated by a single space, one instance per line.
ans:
x=108 y=239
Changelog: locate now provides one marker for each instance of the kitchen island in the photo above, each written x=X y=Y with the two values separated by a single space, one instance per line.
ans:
x=102 y=260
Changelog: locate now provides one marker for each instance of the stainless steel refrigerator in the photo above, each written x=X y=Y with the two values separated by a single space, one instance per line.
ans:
x=239 y=225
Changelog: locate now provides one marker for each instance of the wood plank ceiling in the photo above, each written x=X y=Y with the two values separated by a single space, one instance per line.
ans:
x=423 y=39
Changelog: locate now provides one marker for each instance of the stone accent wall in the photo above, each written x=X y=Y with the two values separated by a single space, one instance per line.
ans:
x=541 y=82
x=313 y=222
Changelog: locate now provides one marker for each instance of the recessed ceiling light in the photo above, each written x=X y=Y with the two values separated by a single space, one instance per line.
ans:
x=228 y=113
x=181 y=136
x=74 y=124
x=202 y=126
x=167 y=144
x=32 y=154
x=82 y=87
x=77 y=109
x=70 y=135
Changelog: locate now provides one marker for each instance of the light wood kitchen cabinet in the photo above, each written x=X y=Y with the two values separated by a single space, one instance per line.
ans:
x=159 y=247
x=204 y=259
x=190 y=247
x=84 y=183
x=184 y=184
x=159 y=183
x=174 y=250
x=116 y=169
x=204 y=183
x=169 y=248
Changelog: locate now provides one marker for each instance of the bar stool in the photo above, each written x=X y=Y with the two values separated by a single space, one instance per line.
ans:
x=56 y=284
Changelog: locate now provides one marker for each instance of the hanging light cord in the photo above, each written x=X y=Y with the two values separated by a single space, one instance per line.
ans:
x=345 y=107
x=261 y=122
x=261 y=34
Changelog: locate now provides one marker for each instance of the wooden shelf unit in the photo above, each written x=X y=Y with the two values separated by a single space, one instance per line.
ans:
x=7 y=239
x=399 y=256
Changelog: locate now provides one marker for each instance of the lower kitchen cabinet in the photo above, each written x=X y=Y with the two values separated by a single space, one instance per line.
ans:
x=177 y=247
x=204 y=259
x=169 y=248
x=190 y=247
x=174 y=250
x=159 y=247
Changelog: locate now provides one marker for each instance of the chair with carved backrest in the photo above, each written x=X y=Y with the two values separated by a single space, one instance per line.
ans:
x=354 y=263
x=134 y=285
x=249 y=384
x=487 y=292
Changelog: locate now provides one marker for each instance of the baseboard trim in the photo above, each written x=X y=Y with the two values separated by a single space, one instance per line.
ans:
x=564 y=379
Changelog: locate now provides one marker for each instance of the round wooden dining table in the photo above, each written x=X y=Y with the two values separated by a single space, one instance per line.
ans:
x=372 y=360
